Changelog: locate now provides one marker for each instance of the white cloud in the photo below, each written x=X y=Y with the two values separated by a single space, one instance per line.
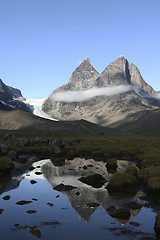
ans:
x=81 y=96
x=156 y=95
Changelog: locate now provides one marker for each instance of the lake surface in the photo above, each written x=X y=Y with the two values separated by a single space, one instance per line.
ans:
x=67 y=215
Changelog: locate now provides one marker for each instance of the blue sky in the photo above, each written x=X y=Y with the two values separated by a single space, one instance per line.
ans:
x=43 y=41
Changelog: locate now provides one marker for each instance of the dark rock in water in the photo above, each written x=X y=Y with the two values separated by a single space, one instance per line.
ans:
x=50 y=223
x=90 y=165
x=50 y=204
x=77 y=193
x=34 y=199
x=7 y=197
x=31 y=168
x=31 y=211
x=57 y=196
x=95 y=180
x=38 y=173
x=37 y=232
x=16 y=224
x=23 y=202
x=135 y=224
x=133 y=205
x=62 y=187
x=93 y=204
x=121 y=213
x=33 y=182
x=110 y=209
x=157 y=225
x=1 y=210
x=58 y=161
x=148 y=238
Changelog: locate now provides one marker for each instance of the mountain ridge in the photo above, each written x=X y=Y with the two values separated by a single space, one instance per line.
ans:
x=103 y=110
x=11 y=98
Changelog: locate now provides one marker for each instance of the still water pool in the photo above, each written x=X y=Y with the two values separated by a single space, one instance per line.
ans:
x=51 y=214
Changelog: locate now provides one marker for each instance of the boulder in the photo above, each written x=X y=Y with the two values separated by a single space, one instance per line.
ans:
x=131 y=170
x=122 y=182
x=95 y=180
x=6 y=165
x=111 y=165
x=133 y=205
x=62 y=188
x=120 y=213
x=157 y=225
x=3 y=149
x=21 y=142
x=58 y=161
x=154 y=184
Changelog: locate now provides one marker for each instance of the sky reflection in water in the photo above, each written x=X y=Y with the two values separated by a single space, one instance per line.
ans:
x=69 y=217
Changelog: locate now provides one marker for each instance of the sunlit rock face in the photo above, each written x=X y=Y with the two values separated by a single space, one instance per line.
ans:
x=110 y=108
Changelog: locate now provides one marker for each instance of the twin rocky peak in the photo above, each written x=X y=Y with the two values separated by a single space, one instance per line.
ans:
x=104 y=110
x=117 y=73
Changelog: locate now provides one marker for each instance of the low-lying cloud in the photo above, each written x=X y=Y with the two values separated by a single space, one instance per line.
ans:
x=156 y=95
x=82 y=96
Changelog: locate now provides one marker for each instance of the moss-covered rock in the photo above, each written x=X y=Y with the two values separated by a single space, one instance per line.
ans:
x=131 y=170
x=111 y=165
x=154 y=184
x=6 y=165
x=150 y=176
x=122 y=182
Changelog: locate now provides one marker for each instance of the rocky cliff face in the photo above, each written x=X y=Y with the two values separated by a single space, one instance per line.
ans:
x=117 y=73
x=10 y=98
x=107 y=110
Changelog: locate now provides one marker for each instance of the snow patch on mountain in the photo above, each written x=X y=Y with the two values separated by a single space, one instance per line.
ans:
x=36 y=107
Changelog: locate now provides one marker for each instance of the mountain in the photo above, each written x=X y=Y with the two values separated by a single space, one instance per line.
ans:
x=146 y=125
x=11 y=98
x=20 y=120
x=119 y=94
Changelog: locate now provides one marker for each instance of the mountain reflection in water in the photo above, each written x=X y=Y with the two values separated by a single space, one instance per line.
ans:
x=53 y=211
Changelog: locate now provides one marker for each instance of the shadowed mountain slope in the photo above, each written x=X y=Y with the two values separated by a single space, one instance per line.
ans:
x=20 y=120
x=10 y=98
